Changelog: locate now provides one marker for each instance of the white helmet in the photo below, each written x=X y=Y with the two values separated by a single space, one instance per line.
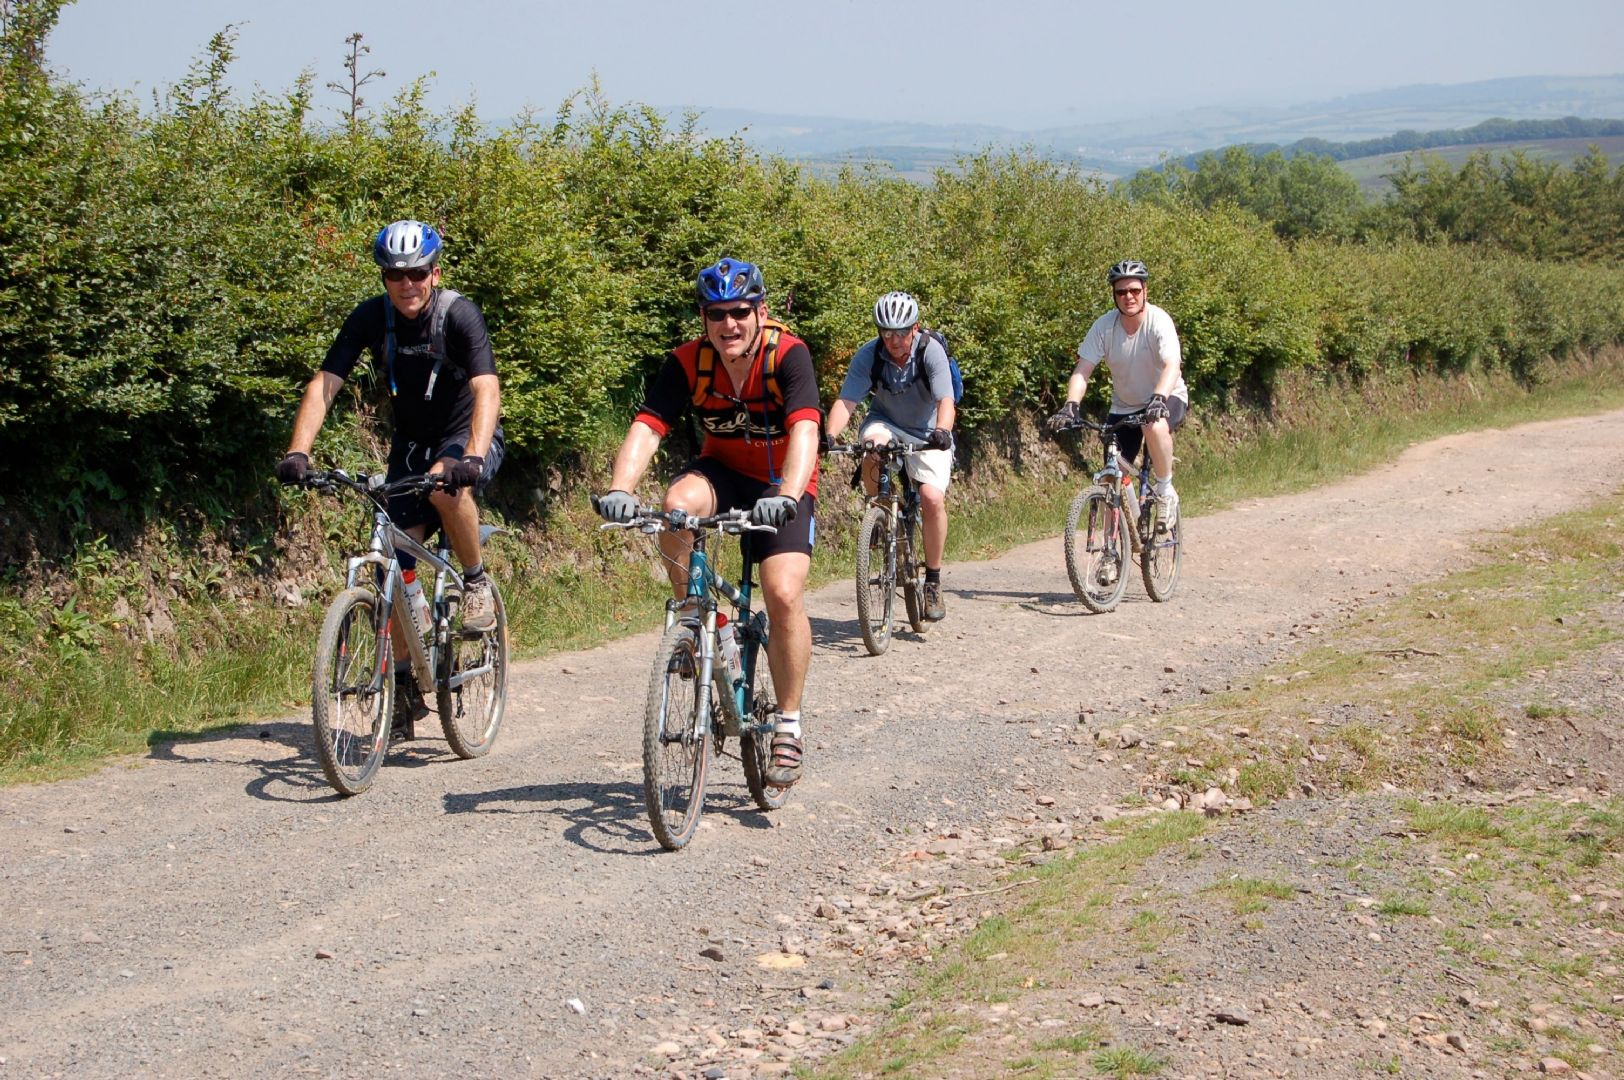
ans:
x=896 y=311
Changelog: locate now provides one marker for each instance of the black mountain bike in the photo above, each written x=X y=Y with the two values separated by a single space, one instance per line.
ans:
x=889 y=550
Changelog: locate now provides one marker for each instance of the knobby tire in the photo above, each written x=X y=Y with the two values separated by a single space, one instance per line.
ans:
x=472 y=713
x=755 y=747
x=351 y=719
x=1161 y=556
x=1097 y=549
x=876 y=586
x=676 y=758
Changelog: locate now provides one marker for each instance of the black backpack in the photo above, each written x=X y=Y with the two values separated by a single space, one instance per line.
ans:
x=443 y=299
x=952 y=364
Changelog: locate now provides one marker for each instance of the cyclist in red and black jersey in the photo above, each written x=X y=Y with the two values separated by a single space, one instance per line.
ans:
x=751 y=385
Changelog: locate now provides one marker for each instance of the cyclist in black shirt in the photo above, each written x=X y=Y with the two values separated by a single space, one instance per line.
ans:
x=431 y=351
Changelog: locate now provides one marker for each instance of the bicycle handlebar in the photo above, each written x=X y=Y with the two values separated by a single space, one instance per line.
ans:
x=371 y=484
x=880 y=450
x=1134 y=419
x=650 y=519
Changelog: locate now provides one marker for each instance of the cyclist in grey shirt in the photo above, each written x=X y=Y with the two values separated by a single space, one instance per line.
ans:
x=906 y=372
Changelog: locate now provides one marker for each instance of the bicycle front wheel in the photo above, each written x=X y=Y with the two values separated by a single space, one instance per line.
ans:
x=1160 y=556
x=676 y=742
x=911 y=569
x=471 y=693
x=352 y=690
x=756 y=745
x=1097 y=549
x=876 y=582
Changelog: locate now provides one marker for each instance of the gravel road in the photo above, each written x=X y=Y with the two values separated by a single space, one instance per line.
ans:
x=212 y=909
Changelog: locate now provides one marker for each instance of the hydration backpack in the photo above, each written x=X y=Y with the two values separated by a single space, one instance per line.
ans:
x=925 y=332
x=705 y=364
x=443 y=299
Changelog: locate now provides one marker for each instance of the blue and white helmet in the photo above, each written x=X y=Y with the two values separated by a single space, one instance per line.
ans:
x=401 y=245
x=730 y=279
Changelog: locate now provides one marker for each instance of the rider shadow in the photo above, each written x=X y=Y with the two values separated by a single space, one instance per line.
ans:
x=1061 y=605
x=843 y=635
x=603 y=818
x=283 y=777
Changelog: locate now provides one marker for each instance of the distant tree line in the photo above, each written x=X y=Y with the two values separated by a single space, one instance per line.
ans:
x=1514 y=203
x=1495 y=130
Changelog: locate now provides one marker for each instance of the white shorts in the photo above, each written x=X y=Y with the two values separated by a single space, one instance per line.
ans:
x=933 y=467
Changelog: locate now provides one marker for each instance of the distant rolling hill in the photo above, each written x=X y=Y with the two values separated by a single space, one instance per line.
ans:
x=1372 y=172
x=1119 y=149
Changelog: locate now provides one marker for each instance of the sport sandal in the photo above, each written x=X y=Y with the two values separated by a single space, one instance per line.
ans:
x=786 y=760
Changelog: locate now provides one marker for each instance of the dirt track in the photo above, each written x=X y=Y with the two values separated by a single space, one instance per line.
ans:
x=214 y=910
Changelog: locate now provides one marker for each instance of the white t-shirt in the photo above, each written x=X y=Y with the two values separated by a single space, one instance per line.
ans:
x=1136 y=360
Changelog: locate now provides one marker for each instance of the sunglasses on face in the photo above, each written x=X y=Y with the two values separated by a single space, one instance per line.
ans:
x=1135 y=291
x=737 y=314
x=896 y=335
x=416 y=273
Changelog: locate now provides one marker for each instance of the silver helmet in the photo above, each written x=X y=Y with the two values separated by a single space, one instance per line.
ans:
x=896 y=311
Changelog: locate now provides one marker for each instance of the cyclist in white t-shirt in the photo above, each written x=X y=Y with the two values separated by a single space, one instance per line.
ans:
x=1139 y=344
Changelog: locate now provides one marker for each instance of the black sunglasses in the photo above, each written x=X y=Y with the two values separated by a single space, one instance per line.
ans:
x=1130 y=291
x=416 y=273
x=737 y=314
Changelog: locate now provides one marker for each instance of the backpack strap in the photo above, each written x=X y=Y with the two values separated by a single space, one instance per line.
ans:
x=705 y=364
x=880 y=358
x=439 y=308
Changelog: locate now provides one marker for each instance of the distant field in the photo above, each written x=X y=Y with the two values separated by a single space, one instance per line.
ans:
x=1371 y=172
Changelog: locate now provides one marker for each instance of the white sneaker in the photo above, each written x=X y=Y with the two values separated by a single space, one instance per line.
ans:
x=1168 y=509
x=479 y=607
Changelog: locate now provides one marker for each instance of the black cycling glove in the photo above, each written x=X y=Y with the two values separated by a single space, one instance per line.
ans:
x=293 y=468
x=464 y=473
x=1157 y=409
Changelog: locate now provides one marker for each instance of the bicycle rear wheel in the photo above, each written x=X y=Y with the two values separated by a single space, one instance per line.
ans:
x=352 y=690
x=1097 y=549
x=1160 y=555
x=911 y=569
x=472 y=684
x=755 y=747
x=676 y=745
x=876 y=584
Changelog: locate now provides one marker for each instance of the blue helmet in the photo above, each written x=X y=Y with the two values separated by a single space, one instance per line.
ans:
x=401 y=245
x=730 y=279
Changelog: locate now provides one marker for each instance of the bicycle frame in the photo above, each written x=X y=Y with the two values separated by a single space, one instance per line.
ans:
x=893 y=472
x=704 y=586
x=383 y=554
x=1117 y=470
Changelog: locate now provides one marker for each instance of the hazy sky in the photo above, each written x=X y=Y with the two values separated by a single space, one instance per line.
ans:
x=1019 y=64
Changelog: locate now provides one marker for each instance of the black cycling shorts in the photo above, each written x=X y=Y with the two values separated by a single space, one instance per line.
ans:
x=735 y=491
x=1130 y=439
x=410 y=458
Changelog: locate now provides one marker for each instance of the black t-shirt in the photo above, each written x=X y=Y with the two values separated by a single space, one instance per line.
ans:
x=422 y=412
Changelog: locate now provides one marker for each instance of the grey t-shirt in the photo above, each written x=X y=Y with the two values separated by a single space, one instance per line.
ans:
x=908 y=393
x=1136 y=360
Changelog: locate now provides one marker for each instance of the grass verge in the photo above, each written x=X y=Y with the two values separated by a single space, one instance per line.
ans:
x=1519 y=894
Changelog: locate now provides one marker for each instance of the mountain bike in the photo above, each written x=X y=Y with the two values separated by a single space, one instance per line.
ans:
x=1107 y=524
x=888 y=547
x=353 y=683
x=698 y=696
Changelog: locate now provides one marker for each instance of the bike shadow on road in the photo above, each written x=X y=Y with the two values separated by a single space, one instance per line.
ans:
x=607 y=818
x=1057 y=604
x=288 y=769
x=844 y=635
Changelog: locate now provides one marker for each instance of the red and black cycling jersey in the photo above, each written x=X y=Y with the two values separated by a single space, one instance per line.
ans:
x=423 y=411
x=746 y=428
